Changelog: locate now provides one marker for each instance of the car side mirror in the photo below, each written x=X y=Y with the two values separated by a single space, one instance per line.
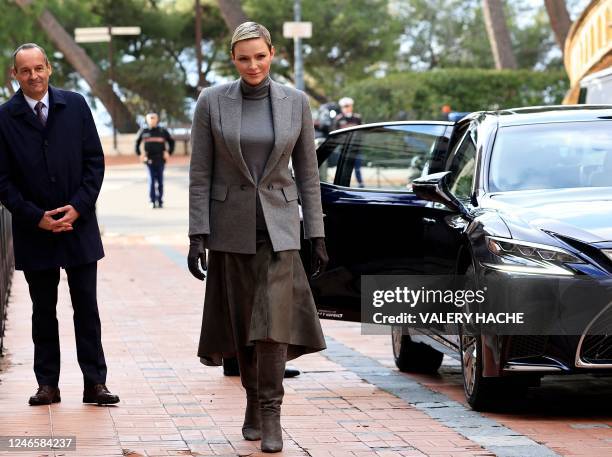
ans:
x=434 y=188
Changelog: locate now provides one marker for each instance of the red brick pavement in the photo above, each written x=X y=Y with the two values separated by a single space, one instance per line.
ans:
x=151 y=311
x=172 y=405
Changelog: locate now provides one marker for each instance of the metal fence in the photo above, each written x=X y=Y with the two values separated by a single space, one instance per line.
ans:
x=6 y=265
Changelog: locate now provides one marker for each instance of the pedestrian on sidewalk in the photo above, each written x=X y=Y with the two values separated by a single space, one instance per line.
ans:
x=155 y=156
x=243 y=207
x=348 y=118
x=51 y=171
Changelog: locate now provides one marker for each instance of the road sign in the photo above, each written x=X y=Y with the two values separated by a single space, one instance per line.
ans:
x=92 y=38
x=125 y=30
x=297 y=29
x=90 y=30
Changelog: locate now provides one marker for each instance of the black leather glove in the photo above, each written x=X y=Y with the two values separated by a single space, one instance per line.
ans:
x=197 y=256
x=318 y=256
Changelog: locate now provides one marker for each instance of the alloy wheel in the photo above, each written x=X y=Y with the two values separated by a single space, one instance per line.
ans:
x=469 y=359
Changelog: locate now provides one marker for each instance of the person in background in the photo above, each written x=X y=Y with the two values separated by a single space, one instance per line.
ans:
x=445 y=112
x=51 y=172
x=347 y=118
x=155 y=139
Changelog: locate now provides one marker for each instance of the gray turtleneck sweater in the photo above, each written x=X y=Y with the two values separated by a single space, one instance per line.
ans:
x=256 y=133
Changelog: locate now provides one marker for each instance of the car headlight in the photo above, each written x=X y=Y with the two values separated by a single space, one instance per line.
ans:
x=524 y=257
x=608 y=253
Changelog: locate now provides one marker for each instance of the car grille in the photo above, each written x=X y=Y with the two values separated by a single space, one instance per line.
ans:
x=597 y=343
x=527 y=346
x=597 y=349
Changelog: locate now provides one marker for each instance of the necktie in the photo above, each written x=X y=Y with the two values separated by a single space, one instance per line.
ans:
x=39 y=112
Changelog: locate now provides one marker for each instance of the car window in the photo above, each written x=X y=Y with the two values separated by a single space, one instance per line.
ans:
x=389 y=157
x=558 y=155
x=329 y=154
x=463 y=167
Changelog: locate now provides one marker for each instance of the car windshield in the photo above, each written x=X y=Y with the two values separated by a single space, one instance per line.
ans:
x=552 y=156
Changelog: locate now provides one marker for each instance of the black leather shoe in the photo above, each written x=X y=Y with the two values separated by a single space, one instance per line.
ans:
x=98 y=393
x=153 y=205
x=291 y=372
x=45 y=395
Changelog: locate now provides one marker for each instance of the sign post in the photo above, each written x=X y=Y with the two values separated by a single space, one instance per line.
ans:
x=105 y=35
x=297 y=30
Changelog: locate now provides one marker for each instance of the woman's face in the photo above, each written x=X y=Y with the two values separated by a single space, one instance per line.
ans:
x=252 y=59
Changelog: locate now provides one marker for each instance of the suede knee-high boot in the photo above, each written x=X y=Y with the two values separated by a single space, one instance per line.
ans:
x=251 y=429
x=271 y=358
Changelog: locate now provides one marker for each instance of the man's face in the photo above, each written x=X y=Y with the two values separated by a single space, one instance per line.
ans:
x=347 y=109
x=152 y=120
x=32 y=73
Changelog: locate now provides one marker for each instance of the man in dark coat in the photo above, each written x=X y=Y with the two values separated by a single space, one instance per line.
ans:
x=51 y=171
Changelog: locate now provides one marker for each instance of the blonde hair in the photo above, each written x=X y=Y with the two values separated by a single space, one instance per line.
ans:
x=249 y=31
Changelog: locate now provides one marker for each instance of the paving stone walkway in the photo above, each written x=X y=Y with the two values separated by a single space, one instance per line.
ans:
x=349 y=400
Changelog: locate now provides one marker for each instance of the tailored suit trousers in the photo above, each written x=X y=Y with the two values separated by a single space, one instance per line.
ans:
x=43 y=286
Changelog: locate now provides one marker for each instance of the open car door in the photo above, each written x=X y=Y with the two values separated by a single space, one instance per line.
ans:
x=374 y=223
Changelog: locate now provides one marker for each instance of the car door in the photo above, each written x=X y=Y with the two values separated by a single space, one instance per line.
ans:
x=373 y=220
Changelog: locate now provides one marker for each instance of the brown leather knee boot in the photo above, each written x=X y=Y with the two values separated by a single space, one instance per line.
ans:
x=271 y=357
x=251 y=428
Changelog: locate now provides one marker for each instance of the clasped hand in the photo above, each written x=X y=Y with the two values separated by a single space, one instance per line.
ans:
x=63 y=224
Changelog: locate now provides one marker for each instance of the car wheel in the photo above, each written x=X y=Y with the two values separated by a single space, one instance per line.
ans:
x=414 y=357
x=481 y=393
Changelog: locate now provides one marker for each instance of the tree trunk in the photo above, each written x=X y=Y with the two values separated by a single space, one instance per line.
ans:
x=232 y=13
x=89 y=71
x=499 y=36
x=560 y=21
x=8 y=82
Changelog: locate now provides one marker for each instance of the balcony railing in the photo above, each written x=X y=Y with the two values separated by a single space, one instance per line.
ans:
x=6 y=265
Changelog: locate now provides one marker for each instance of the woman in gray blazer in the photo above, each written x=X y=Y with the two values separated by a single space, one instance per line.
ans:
x=243 y=207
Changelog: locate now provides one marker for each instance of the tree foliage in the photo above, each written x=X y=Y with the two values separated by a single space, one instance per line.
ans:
x=420 y=95
x=354 y=42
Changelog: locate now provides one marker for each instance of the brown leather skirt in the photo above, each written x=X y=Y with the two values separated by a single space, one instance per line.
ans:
x=261 y=296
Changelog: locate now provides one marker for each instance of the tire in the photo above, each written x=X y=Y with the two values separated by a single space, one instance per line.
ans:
x=414 y=357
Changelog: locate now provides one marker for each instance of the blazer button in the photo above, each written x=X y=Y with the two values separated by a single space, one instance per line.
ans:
x=242 y=187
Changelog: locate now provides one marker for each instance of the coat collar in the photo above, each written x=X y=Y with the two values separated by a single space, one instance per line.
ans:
x=231 y=116
x=19 y=106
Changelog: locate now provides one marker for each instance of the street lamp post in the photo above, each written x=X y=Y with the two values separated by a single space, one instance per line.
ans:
x=105 y=35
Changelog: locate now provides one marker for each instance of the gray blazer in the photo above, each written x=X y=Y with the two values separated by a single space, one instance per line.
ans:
x=222 y=192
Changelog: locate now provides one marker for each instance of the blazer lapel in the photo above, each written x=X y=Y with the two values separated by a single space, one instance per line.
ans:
x=230 y=109
x=281 y=116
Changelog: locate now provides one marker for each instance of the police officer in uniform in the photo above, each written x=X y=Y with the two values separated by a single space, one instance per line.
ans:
x=155 y=155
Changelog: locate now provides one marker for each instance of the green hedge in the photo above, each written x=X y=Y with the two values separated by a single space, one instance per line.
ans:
x=421 y=95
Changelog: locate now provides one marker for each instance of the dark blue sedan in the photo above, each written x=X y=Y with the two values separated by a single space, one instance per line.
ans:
x=515 y=193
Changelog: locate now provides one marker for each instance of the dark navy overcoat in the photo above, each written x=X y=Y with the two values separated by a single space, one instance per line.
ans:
x=43 y=168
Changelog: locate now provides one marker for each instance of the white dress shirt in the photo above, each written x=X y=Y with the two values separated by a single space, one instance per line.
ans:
x=45 y=100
